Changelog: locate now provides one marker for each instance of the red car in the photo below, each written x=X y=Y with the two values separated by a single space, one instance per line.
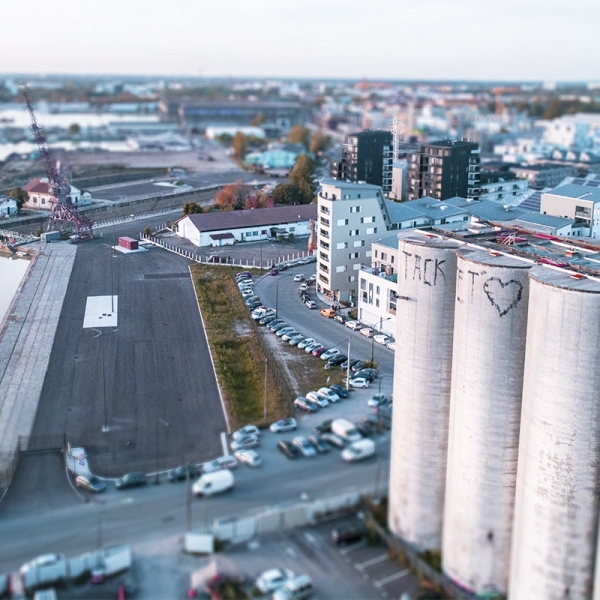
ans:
x=318 y=351
x=273 y=272
x=244 y=274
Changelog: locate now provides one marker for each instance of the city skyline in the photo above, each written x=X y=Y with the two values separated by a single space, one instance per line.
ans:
x=535 y=41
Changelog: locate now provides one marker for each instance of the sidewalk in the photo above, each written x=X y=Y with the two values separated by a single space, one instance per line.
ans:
x=26 y=343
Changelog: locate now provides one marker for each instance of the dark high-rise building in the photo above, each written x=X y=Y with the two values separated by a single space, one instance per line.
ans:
x=443 y=170
x=366 y=156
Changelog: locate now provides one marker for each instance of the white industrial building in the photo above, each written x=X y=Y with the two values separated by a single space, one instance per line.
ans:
x=578 y=202
x=228 y=227
x=40 y=194
x=8 y=206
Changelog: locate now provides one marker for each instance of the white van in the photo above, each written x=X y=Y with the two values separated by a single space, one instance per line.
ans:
x=345 y=430
x=296 y=588
x=213 y=483
x=358 y=450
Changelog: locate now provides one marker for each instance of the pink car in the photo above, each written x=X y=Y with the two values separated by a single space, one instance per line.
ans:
x=318 y=351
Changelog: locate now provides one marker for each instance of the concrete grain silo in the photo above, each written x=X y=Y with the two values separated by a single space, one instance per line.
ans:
x=422 y=371
x=556 y=506
x=485 y=406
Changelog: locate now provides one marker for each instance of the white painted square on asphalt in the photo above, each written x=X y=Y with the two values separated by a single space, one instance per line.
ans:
x=100 y=311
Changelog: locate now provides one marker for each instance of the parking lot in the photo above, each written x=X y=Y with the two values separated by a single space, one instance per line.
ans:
x=359 y=570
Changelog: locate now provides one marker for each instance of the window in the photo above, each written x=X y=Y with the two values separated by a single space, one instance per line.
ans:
x=263 y=232
x=292 y=229
x=367 y=220
x=255 y=233
x=363 y=284
x=346 y=196
x=383 y=256
x=353 y=232
x=341 y=245
x=351 y=278
x=371 y=230
x=341 y=269
x=356 y=267
x=355 y=209
x=377 y=303
x=359 y=244
x=377 y=290
x=376 y=253
x=392 y=257
x=341 y=222
x=353 y=255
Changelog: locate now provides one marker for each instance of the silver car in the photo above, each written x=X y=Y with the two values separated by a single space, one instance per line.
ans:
x=245 y=431
x=251 y=441
x=305 y=447
x=90 y=482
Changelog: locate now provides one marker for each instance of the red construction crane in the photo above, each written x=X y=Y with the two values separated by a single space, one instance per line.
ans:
x=61 y=206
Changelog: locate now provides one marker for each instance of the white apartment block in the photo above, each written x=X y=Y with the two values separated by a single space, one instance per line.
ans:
x=350 y=217
x=503 y=190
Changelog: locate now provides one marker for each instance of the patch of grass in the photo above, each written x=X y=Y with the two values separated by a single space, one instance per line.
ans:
x=433 y=558
x=238 y=357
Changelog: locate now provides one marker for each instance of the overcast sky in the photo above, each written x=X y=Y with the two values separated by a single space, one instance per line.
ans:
x=395 y=39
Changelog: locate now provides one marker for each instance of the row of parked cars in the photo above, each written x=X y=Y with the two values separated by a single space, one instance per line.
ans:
x=380 y=338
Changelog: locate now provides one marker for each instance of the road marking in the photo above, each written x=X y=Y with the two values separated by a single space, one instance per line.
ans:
x=291 y=552
x=354 y=547
x=389 y=578
x=372 y=561
x=224 y=443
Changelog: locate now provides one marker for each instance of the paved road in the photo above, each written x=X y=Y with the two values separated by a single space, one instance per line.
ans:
x=156 y=366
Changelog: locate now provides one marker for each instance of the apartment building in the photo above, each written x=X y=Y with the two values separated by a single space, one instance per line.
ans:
x=443 y=170
x=578 y=202
x=350 y=217
x=500 y=187
x=366 y=156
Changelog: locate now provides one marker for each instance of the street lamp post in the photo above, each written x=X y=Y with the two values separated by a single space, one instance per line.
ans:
x=380 y=380
x=166 y=424
x=100 y=334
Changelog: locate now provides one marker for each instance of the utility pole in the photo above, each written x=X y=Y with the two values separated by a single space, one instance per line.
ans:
x=376 y=487
x=348 y=368
x=188 y=499
x=266 y=373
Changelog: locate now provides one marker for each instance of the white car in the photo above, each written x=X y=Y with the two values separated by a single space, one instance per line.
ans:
x=313 y=277
x=329 y=394
x=249 y=457
x=284 y=425
x=311 y=304
x=306 y=342
x=353 y=325
x=318 y=399
x=377 y=400
x=284 y=330
x=273 y=579
x=286 y=337
x=303 y=288
x=329 y=353
x=359 y=382
x=245 y=443
x=299 y=277
x=305 y=447
x=366 y=331
x=391 y=346
x=381 y=339
x=245 y=431
x=219 y=464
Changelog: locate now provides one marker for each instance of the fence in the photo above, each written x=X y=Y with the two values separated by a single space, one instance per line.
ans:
x=41 y=443
x=12 y=460
x=284 y=517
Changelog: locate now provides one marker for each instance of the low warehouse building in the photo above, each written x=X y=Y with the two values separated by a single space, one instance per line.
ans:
x=225 y=228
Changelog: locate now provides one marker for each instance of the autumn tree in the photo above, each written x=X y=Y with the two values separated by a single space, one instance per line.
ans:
x=20 y=195
x=191 y=208
x=240 y=145
x=259 y=119
x=299 y=135
x=287 y=193
x=232 y=196
x=319 y=143
x=302 y=177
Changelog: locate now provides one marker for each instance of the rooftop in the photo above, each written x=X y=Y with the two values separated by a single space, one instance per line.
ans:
x=581 y=192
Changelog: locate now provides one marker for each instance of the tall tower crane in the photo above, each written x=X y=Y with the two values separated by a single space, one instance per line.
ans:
x=61 y=206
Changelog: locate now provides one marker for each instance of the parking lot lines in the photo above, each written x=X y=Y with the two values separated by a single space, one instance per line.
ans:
x=389 y=578
x=347 y=549
x=372 y=561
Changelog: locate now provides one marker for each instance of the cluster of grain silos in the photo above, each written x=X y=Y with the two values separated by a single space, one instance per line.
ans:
x=498 y=464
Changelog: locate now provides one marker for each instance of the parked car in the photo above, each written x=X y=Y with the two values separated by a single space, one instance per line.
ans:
x=244 y=274
x=328 y=313
x=182 y=472
x=333 y=439
x=311 y=304
x=358 y=366
x=223 y=462
x=282 y=266
x=359 y=382
x=336 y=360
x=299 y=277
x=340 y=319
x=365 y=429
x=278 y=327
x=91 y=483
x=313 y=277
x=318 y=351
x=384 y=410
x=275 y=322
x=306 y=448
x=245 y=431
x=353 y=325
x=305 y=405
x=353 y=361
x=318 y=399
x=329 y=394
x=329 y=353
x=367 y=332
x=248 y=457
x=273 y=579
x=312 y=347
x=341 y=391
x=245 y=443
x=286 y=337
x=303 y=287
x=370 y=372
x=283 y=330
x=324 y=427
x=296 y=339
x=381 y=339
x=130 y=480
x=348 y=533
x=320 y=445
x=378 y=400
x=253 y=304
x=283 y=425
x=288 y=449
x=378 y=421
x=273 y=272
x=268 y=319
x=391 y=346
x=306 y=342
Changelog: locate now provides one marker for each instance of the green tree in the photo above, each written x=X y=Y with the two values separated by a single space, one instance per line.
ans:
x=240 y=145
x=191 y=208
x=299 y=135
x=20 y=195
x=554 y=109
x=74 y=129
x=147 y=231
x=302 y=177
x=287 y=193
x=319 y=143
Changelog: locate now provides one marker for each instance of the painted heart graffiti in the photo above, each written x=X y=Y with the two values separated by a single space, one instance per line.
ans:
x=503 y=296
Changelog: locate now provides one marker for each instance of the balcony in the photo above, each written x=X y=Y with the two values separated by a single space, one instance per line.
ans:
x=325 y=210
x=324 y=245
x=323 y=267
x=324 y=221
x=324 y=233
x=380 y=272
x=580 y=214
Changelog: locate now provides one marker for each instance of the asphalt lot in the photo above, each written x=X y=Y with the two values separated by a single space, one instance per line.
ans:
x=356 y=571
x=156 y=365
